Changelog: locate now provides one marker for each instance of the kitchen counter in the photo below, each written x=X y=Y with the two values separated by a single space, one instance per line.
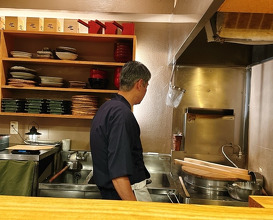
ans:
x=7 y=155
x=17 y=207
x=261 y=201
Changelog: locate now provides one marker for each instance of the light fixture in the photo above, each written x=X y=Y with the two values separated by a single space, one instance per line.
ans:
x=33 y=134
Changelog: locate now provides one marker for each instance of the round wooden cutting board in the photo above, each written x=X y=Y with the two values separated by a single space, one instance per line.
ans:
x=207 y=174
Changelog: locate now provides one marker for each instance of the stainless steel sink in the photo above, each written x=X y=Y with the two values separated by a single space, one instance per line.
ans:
x=79 y=184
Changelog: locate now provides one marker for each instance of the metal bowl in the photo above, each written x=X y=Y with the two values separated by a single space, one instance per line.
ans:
x=241 y=190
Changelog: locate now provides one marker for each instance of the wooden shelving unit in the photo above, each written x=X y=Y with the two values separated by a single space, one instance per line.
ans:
x=94 y=50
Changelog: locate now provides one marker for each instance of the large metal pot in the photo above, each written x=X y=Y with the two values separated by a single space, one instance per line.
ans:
x=207 y=186
x=242 y=190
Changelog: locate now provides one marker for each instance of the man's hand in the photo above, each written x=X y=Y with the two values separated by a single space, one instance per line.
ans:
x=124 y=189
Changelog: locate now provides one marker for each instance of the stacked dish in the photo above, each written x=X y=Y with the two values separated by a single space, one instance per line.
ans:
x=51 y=81
x=66 y=53
x=84 y=105
x=122 y=52
x=36 y=106
x=58 y=107
x=46 y=53
x=21 y=82
x=98 y=79
x=13 y=105
x=77 y=84
x=20 y=72
x=20 y=54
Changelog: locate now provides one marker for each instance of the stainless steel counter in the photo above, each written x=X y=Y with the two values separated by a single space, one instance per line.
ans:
x=7 y=155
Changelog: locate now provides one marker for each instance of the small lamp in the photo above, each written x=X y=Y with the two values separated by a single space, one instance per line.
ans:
x=33 y=134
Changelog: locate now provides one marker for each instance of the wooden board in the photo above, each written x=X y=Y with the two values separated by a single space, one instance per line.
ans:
x=207 y=175
x=30 y=147
x=215 y=165
x=221 y=171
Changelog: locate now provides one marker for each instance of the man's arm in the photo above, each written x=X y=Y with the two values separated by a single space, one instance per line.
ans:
x=124 y=189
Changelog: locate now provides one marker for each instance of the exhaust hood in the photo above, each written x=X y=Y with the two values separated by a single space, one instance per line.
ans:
x=244 y=22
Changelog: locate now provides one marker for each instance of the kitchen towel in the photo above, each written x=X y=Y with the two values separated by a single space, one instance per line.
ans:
x=16 y=177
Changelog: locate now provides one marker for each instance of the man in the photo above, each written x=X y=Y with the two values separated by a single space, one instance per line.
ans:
x=119 y=169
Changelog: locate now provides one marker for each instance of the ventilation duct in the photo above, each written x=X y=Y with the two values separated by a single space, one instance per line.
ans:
x=245 y=21
x=246 y=28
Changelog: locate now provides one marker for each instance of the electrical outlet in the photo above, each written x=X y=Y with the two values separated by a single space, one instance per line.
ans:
x=13 y=128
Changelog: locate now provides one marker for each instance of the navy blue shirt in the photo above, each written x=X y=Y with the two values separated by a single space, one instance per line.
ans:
x=115 y=144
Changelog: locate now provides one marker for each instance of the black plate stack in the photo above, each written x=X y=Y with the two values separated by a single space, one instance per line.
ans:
x=36 y=106
x=13 y=105
x=59 y=107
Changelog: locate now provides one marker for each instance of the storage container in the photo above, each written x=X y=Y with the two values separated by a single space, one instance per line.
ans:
x=14 y=23
x=2 y=23
x=4 y=141
x=34 y=24
x=71 y=25
x=52 y=25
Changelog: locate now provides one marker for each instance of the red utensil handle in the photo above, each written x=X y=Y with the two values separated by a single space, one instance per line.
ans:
x=99 y=23
x=83 y=23
x=118 y=25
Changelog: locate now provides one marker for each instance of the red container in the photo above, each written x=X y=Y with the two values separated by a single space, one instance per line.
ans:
x=117 y=77
x=94 y=27
x=97 y=74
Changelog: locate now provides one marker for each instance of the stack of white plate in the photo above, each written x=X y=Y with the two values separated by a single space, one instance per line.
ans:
x=21 y=54
x=44 y=54
x=66 y=53
x=51 y=81
x=20 y=72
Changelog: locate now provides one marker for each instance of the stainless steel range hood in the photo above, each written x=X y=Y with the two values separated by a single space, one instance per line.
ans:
x=241 y=28
x=245 y=22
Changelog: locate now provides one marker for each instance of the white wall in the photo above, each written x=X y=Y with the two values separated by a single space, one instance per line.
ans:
x=261 y=123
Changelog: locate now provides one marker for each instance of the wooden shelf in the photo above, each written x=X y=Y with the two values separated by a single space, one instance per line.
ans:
x=65 y=36
x=62 y=62
x=94 y=50
x=19 y=114
x=61 y=89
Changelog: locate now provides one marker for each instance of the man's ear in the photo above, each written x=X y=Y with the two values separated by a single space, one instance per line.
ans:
x=139 y=83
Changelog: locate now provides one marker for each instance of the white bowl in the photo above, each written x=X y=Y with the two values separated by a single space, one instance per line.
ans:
x=66 y=55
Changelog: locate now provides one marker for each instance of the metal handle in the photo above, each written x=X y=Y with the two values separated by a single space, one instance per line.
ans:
x=169 y=194
x=184 y=187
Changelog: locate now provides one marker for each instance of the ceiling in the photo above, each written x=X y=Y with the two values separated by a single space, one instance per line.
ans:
x=195 y=13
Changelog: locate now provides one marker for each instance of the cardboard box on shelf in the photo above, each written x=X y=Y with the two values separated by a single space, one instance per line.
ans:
x=71 y=25
x=2 y=23
x=14 y=23
x=52 y=25
x=34 y=24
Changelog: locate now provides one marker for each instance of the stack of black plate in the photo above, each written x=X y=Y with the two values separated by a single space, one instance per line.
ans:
x=59 y=107
x=36 y=106
x=13 y=105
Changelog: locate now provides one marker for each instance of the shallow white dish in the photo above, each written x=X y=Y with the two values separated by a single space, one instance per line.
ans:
x=21 y=54
x=22 y=75
x=67 y=55
x=51 y=79
x=22 y=68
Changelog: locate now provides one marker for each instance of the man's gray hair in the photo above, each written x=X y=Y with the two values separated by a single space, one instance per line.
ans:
x=131 y=72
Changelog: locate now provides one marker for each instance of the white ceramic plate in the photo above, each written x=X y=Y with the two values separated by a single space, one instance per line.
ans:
x=66 y=55
x=21 y=54
x=51 y=79
x=22 y=75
